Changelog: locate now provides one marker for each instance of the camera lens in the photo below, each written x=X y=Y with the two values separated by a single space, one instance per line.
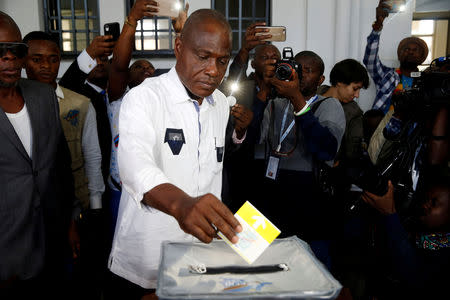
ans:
x=283 y=71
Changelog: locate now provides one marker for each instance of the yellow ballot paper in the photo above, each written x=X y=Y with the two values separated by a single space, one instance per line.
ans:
x=256 y=235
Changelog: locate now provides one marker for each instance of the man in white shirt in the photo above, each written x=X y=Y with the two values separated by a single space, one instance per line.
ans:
x=172 y=131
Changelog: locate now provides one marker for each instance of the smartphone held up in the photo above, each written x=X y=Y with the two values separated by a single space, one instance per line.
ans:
x=169 y=8
x=112 y=29
x=396 y=6
x=278 y=33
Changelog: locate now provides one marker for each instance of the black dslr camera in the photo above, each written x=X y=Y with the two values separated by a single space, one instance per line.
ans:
x=285 y=68
x=430 y=89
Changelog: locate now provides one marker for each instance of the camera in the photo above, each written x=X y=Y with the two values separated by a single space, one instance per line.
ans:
x=430 y=89
x=285 y=68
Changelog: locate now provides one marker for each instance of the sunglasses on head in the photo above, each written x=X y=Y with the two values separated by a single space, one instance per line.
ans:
x=19 y=50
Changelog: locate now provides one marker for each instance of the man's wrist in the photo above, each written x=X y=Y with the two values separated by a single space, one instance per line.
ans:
x=377 y=25
x=131 y=21
x=298 y=102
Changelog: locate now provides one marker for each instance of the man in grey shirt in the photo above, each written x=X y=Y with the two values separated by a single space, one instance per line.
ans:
x=299 y=129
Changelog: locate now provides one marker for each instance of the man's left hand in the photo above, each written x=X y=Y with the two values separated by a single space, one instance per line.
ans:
x=243 y=117
x=384 y=204
x=178 y=22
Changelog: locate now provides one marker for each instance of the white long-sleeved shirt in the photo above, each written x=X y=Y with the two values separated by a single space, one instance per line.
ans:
x=91 y=154
x=157 y=119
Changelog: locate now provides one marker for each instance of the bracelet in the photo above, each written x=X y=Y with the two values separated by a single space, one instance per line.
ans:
x=128 y=22
x=303 y=111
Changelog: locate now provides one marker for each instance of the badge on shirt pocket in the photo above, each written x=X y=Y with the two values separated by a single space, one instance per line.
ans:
x=175 y=138
x=219 y=149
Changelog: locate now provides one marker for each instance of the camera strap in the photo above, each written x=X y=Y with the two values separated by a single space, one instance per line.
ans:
x=283 y=122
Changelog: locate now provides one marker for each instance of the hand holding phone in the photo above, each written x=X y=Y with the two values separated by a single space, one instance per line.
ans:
x=278 y=33
x=396 y=6
x=168 y=8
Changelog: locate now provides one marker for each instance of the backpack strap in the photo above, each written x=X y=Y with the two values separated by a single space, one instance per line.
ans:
x=316 y=104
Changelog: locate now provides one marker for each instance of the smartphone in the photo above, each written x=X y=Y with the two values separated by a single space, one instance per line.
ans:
x=169 y=8
x=112 y=29
x=396 y=5
x=278 y=33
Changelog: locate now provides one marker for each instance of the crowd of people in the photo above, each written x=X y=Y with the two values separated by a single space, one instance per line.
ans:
x=101 y=166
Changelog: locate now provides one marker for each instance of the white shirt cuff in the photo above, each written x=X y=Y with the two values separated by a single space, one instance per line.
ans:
x=95 y=200
x=85 y=62
x=235 y=139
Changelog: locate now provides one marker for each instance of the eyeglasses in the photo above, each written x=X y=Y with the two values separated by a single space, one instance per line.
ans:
x=19 y=50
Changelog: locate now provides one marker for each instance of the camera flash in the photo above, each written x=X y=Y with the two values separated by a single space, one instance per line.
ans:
x=231 y=100
x=402 y=8
x=234 y=87
x=177 y=6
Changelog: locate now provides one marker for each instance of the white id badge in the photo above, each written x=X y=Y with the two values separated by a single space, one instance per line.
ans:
x=272 y=167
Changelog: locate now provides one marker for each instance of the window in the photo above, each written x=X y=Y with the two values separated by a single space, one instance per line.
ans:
x=241 y=14
x=153 y=35
x=75 y=22
x=434 y=33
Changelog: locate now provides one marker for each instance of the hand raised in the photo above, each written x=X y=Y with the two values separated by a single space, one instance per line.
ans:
x=142 y=8
x=251 y=39
x=178 y=22
x=100 y=46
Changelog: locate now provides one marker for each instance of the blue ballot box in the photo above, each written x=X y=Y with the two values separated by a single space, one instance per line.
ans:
x=286 y=270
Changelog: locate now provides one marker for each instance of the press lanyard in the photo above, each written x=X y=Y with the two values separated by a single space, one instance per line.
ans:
x=284 y=135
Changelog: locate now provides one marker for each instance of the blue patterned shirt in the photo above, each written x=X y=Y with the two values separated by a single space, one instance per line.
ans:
x=385 y=78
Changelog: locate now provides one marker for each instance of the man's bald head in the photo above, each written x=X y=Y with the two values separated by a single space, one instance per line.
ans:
x=203 y=52
x=204 y=17
x=8 y=24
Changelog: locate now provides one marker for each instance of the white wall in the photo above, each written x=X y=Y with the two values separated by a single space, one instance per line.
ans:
x=334 y=29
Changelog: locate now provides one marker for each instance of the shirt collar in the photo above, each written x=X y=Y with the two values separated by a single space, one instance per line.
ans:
x=59 y=92
x=95 y=87
x=179 y=89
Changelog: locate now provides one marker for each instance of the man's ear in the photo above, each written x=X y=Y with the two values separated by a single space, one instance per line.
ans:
x=178 y=47
x=322 y=78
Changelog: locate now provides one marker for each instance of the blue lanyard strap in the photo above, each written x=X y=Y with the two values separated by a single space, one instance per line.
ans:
x=284 y=135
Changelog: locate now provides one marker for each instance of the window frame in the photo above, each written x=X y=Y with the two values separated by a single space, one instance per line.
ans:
x=162 y=53
x=240 y=18
x=58 y=18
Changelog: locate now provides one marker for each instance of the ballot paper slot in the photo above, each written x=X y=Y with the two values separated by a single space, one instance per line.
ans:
x=201 y=269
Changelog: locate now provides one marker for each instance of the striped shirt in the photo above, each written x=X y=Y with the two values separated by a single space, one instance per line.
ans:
x=386 y=79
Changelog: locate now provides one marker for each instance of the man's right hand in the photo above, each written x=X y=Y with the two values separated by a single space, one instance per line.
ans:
x=264 y=83
x=251 y=39
x=100 y=46
x=197 y=216
x=382 y=12
x=142 y=8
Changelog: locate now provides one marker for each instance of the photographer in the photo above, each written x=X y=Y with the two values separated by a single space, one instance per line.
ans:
x=295 y=138
x=247 y=162
x=415 y=262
